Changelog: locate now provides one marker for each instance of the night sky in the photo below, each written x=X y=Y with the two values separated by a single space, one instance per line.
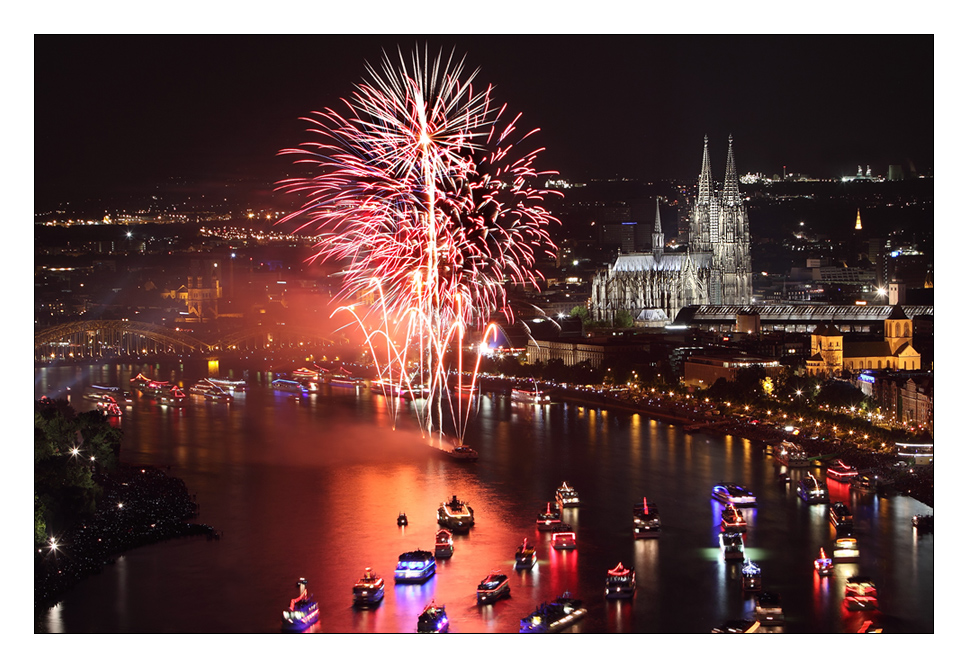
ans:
x=121 y=113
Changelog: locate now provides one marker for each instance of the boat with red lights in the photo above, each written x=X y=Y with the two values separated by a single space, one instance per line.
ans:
x=368 y=590
x=563 y=540
x=433 y=619
x=415 y=567
x=566 y=496
x=732 y=520
x=525 y=556
x=646 y=520
x=303 y=610
x=455 y=515
x=823 y=565
x=555 y=616
x=493 y=588
x=841 y=471
x=860 y=593
x=110 y=408
x=620 y=582
x=306 y=374
x=738 y=495
x=171 y=395
x=443 y=544
x=750 y=577
x=811 y=490
x=549 y=519
x=731 y=546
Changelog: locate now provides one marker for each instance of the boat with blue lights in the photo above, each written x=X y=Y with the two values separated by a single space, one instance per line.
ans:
x=555 y=616
x=368 y=590
x=731 y=546
x=229 y=385
x=738 y=495
x=303 y=610
x=750 y=578
x=823 y=565
x=493 y=588
x=433 y=619
x=732 y=520
x=525 y=556
x=811 y=490
x=455 y=515
x=566 y=496
x=620 y=582
x=286 y=385
x=646 y=521
x=549 y=519
x=443 y=544
x=415 y=567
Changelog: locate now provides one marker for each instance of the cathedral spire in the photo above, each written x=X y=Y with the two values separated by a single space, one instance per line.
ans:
x=731 y=185
x=858 y=220
x=705 y=193
x=658 y=240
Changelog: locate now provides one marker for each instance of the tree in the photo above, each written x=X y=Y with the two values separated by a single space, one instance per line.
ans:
x=623 y=319
x=582 y=313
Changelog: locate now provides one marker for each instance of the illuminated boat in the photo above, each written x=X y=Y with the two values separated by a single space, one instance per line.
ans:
x=342 y=380
x=566 y=496
x=493 y=588
x=549 y=519
x=286 y=385
x=525 y=556
x=229 y=385
x=303 y=610
x=812 y=490
x=738 y=495
x=750 y=578
x=841 y=471
x=791 y=455
x=731 y=546
x=823 y=564
x=140 y=380
x=368 y=590
x=433 y=619
x=732 y=520
x=306 y=374
x=840 y=515
x=110 y=408
x=563 y=540
x=768 y=610
x=463 y=452
x=868 y=626
x=529 y=397
x=201 y=387
x=860 y=593
x=620 y=582
x=402 y=519
x=443 y=544
x=172 y=396
x=102 y=393
x=455 y=515
x=738 y=626
x=415 y=567
x=864 y=482
x=845 y=549
x=924 y=522
x=555 y=616
x=646 y=521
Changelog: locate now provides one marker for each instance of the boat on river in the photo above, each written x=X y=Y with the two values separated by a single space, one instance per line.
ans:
x=731 y=546
x=455 y=515
x=563 y=540
x=738 y=495
x=306 y=374
x=860 y=593
x=823 y=565
x=646 y=521
x=402 y=519
x=303 y=610
x=566 y=496
x=529 y=397
x=768 y=610
x=464 y=453
x=620 y=582
x=493 y=588
x=229 y=385
x=443 y=544
x=791 y=456
x=738 y=626
x=433 y=619
x=750 y=577
x=732 y=520
x=415 y=567
x=840 y=516
x=286 y=385
x=555 y=616
x=525 y=556
x=811 y=490
x=841 y=471
x=549 y=519
x=368 y=590
x=846 y=549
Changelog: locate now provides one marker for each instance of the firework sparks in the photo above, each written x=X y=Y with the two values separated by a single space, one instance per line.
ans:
x=419 y=194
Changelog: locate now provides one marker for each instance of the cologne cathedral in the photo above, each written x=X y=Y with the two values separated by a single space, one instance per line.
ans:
x=714 y=270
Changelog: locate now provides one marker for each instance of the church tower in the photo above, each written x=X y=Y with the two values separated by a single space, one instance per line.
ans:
x=731 y=256
x=658 y=239
x=705 y=208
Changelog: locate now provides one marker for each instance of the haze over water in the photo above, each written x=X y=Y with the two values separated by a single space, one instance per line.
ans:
x=312 y=488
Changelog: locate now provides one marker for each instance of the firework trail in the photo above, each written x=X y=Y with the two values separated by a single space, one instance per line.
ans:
x=419 y=192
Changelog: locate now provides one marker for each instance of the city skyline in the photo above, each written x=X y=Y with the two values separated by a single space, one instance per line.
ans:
x=201 y=111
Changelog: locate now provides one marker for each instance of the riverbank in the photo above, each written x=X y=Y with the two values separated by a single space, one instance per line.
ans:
x=140 y=506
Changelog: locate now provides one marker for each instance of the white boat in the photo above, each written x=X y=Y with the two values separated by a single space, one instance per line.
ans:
x=529 y=397
x=566 y=496
x=455 y=515
x=812 y=490
x=229 y=385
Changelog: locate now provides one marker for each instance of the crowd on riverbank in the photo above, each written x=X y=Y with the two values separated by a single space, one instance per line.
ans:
x=139 y=506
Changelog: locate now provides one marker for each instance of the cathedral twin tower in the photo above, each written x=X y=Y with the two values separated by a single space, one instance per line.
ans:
x=715 y=268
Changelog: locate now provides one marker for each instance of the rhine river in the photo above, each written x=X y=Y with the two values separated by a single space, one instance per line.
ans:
x=312 y=488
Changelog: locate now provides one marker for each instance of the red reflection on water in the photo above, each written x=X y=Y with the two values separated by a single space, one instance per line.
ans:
x=564 y=570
